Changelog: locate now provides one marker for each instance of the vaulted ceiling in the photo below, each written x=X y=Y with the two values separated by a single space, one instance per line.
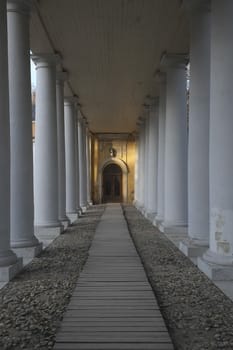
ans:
x=111 y=50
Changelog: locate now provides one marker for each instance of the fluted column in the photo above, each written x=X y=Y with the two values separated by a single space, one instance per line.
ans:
x=22 y=209
x=175 y=185
x=9 y=264
x=46 y=157
x=198 y=149
x=82 y=164
x=217 y=262
x=70 y=161
x=60 y=79
x=161 y=78
x=152 y=167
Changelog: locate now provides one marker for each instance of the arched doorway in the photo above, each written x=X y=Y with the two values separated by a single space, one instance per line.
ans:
x=112 y=184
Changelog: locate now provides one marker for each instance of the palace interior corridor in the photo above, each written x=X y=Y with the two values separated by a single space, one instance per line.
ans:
x=132 y=104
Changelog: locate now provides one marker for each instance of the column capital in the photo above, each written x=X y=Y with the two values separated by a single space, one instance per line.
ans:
x=196 y=6
x=160 y=77
x=71 y=100
x=20 y=6
x=43 y=60
x=153 y=101
x=173 y=60
x=62 y=76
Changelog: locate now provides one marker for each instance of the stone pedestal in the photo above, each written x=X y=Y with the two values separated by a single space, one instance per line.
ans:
x=217 y=262
x=22 y=214
x=175 y=181
x=10 y=265
x=46 y=158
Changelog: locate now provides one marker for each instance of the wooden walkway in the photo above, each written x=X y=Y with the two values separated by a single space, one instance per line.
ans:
x=113 y=305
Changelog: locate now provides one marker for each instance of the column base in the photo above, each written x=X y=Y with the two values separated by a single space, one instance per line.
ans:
x=83 y=208
x=10 y=271
x=28 y=253
x=65 y=223
x=217 y=267
x=48 y=232
x=173 y=228
x=150 y=216
x=72 y=216
x=191 y=249
x=157 y=221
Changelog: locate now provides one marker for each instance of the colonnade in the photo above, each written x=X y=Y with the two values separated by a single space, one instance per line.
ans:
x=61 y=161
x=193 y=161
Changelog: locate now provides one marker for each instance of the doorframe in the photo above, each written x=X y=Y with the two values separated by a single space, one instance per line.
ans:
x=125 y=171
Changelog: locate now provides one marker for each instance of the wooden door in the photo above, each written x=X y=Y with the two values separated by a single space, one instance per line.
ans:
x=112 y=184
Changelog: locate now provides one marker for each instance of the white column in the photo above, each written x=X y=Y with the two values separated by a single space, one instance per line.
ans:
x=152 y=167
x=146 y=160
x=141 y=165
x=78 y=207
x=136 y=173
x=221 y=145
x=9 y=265
x=23 y=241
x=175 y=185
x=82 y=165
x=60 y=78
x=71 y=209
x=46 y=158
x=198 y=149
x=161 y=77
x=88 y=150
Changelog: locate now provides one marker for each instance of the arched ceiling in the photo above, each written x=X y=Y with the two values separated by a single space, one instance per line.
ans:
x=111 y=49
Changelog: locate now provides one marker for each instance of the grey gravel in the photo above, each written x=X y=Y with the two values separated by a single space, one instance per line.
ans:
x=198 y=315
x=32 y=304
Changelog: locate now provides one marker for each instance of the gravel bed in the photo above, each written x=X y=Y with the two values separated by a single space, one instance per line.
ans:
x=33 y=303
x=198 y=315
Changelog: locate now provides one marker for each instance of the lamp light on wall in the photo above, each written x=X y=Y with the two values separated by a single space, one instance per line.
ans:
x=112 y=152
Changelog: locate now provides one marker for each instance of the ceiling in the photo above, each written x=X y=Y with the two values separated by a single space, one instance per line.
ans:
x=111 y=50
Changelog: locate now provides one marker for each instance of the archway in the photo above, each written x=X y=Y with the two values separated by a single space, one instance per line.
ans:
x=124 y=170
x=112 y=184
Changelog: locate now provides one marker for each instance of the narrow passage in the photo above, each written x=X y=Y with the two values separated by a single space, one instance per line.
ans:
x=113 y=305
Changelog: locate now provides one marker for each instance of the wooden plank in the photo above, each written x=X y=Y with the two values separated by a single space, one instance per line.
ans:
x=113 y=305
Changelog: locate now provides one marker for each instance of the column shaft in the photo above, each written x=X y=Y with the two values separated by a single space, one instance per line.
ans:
x=46 y=158
x=78 y=207
x=146 y=162
x=141 y=169
x=82 y=165
x=7 y=257
x=198 y=149
x=175 y=209
x=221 y=144
x=61 y=76
x=22 y=208
x=161 y=148
x=152 y=168
x=71 y=208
